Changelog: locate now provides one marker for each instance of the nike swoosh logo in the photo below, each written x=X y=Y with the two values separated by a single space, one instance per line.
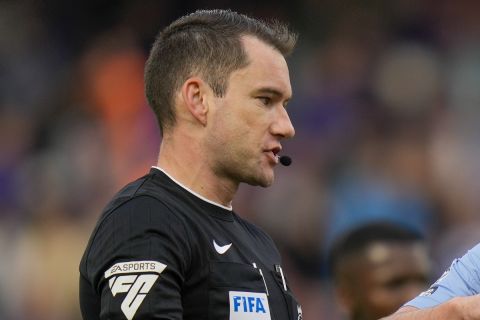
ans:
x=221 y=249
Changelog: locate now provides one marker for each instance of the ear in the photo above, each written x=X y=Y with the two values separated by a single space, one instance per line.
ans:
x=194 y=93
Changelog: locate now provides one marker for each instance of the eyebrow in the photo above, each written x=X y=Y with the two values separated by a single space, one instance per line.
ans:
x=272 y=91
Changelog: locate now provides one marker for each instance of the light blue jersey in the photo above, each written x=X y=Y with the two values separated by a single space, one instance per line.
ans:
x=461 y=279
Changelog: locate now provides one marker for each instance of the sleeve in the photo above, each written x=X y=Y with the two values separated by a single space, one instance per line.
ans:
x=461 y=279
x=137 y=261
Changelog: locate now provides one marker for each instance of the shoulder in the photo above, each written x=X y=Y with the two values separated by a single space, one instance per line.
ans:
x=133 y=229
x=138 y=210
x=133 y=214
x=141 y=215
x=142 y=203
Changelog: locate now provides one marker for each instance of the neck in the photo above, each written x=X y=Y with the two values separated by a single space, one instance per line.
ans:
x=186 y=162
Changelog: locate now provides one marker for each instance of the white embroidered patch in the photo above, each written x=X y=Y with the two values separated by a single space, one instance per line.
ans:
x=249 y=306
x=140 y=279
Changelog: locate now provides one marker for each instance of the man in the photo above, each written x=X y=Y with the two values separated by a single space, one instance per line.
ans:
x=376 y=268
x=169 y=245
x=454 y=296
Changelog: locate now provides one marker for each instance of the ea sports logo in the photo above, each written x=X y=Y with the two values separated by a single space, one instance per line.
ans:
x=135 y=278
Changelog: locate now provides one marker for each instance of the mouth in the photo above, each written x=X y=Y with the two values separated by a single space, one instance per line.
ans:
x=273 y=154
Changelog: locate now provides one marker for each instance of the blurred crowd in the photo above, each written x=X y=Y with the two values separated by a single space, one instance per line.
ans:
x=386 y=110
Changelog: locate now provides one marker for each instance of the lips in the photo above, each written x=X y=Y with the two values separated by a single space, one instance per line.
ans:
x=272 y=153
x=276 y=150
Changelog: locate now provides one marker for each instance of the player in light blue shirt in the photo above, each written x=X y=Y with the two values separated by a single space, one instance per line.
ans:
x=453 y=296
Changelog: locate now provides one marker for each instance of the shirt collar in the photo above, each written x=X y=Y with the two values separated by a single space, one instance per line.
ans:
x=229 y=208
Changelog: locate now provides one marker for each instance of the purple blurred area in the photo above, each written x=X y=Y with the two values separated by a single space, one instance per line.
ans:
x=386 y=110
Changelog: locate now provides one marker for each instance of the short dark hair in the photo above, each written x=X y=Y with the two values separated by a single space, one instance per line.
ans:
x=358 y=239
x=205 y=43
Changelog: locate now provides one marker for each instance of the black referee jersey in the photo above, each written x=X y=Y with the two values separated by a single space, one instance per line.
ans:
x=162 y=252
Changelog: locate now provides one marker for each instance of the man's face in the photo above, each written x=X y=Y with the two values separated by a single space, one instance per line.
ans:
x=389 y=275
x=247 y=124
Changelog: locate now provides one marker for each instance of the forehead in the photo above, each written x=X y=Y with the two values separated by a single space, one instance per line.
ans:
x=386 y=259
x=388 y=252
x=267 y=68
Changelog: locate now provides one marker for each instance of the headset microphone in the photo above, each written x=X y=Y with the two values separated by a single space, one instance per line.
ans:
x=285 y=160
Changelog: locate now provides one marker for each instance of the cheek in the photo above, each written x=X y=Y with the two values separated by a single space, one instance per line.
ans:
x=222 y=125
x=242 y=128
x=387 y=300
x=226 y=135
x=239 y=126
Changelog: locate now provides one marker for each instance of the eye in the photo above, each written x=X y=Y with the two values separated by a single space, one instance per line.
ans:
x=265 y=100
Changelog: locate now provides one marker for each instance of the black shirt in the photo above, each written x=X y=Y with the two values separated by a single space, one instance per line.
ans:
x=160 y=252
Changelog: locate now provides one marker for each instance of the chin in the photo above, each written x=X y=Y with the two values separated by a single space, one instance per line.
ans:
x=258 y=181
x=265 y=181
x=268 y=179
x=265 y=184
x=262 y=178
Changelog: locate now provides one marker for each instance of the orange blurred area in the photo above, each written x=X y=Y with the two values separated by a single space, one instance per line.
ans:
x=114 y=81
x=112 y=76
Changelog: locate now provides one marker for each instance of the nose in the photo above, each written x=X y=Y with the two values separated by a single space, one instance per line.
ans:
x=282 y=126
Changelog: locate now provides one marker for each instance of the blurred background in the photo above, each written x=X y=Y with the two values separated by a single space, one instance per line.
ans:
x=386 y=109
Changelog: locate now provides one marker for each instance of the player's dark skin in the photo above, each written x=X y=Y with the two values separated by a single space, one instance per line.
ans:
x=378 y=280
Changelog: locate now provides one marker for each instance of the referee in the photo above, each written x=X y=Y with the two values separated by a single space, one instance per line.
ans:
x=169 y=245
